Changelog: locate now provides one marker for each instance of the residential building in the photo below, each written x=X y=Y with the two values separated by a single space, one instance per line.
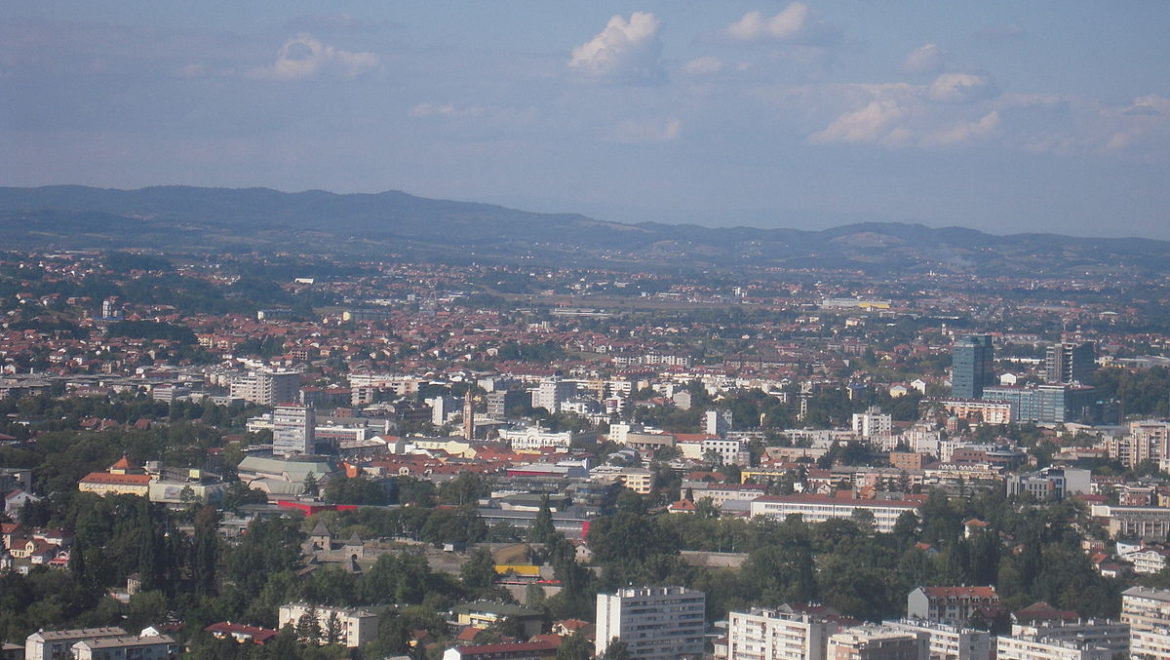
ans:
x=819 y=508
x=781 y=634
x=955 y=605
x=717 y=422
x=655 y=623
x=1050 y=483
x=130 y=647
x=1069 y=362
x=1112 y=636
x=1147 y=611
x=353 y=628
x=54 y=644
x=726 y=452
x=499 y=402
x=1039 y=648
x=293 y=430
x=948 y=642
x=878 y=643
x=872 y=422
x=540 y=650
x=552 y=392
x=267 y=388
x=485 y=614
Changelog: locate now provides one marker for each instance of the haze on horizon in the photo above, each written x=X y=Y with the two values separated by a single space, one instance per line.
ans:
x=999 y=116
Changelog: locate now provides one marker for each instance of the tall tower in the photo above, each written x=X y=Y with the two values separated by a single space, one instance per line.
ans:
x=1069 y=362
x=972 y=366
x=468 y=416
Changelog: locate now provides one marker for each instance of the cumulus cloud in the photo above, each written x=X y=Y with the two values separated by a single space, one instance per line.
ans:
x=306 y=57
x=964 y=132
x=876 y=122
x=789 y=23
x=627 y=50
x=703 y=66
x=925 y=59
x=960 y=88
x=904 y=115
x=643 y=132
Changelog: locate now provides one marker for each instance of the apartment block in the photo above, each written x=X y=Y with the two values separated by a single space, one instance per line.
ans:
x=1147 y=611
x=948 y=642
x=655 y=623
x=354 y=628
x=878 y=643
x=781 y=634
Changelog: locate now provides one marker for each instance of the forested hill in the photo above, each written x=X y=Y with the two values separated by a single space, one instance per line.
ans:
x=395 y=223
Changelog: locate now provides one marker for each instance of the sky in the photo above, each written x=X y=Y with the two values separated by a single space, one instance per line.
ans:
x=1008 y=117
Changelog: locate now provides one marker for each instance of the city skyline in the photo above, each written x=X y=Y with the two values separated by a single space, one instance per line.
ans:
x=998 y=117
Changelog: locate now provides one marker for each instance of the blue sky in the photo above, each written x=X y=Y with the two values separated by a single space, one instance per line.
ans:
x=1001 y=116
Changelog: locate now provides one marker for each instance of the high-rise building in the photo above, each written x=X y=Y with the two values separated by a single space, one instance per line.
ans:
x=552 y=392
x=1068 y=362
x=972 y=366
x=1147 y=611
x=949 y=642
x=879 y=643
x=655 y=623
x=293 y=430
x=267 y=388
x=781 y=634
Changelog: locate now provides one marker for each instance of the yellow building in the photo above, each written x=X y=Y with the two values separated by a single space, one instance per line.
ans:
x=123 y=478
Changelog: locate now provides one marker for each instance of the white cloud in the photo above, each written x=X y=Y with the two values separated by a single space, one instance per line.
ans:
x=448 y=110
x=925 y=59
x=875 y=122
x=625 y=51
x=191 y=71
x=964 y=132
x=960 y=88
x=902 y=115
x=754 y=26
x=703 y=66
x=643 y=132
x=306 y=57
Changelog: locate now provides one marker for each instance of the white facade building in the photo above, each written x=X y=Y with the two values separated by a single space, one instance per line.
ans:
x=354 y=628
x=878 y=643
x=267 y=388
x=1147 y=611
x=293 y=430
x=949 y=642
x=655 y=623
x=778 y=635
x=872 y=422
x=534 y=438
x=1033 y=648
x=819 y=508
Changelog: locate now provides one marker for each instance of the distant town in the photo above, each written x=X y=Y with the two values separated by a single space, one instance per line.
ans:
x=290 y=455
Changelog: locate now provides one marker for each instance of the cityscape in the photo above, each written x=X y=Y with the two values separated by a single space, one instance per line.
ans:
x=482 y=331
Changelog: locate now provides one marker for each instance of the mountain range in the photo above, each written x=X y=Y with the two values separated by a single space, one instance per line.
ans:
x=396 y=224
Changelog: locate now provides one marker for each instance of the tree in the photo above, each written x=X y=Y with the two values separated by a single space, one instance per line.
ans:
x=205 y=551
x=616 y=650
x=478 y=573
x=311 y=488
x=542 y=528
x=575 y=647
